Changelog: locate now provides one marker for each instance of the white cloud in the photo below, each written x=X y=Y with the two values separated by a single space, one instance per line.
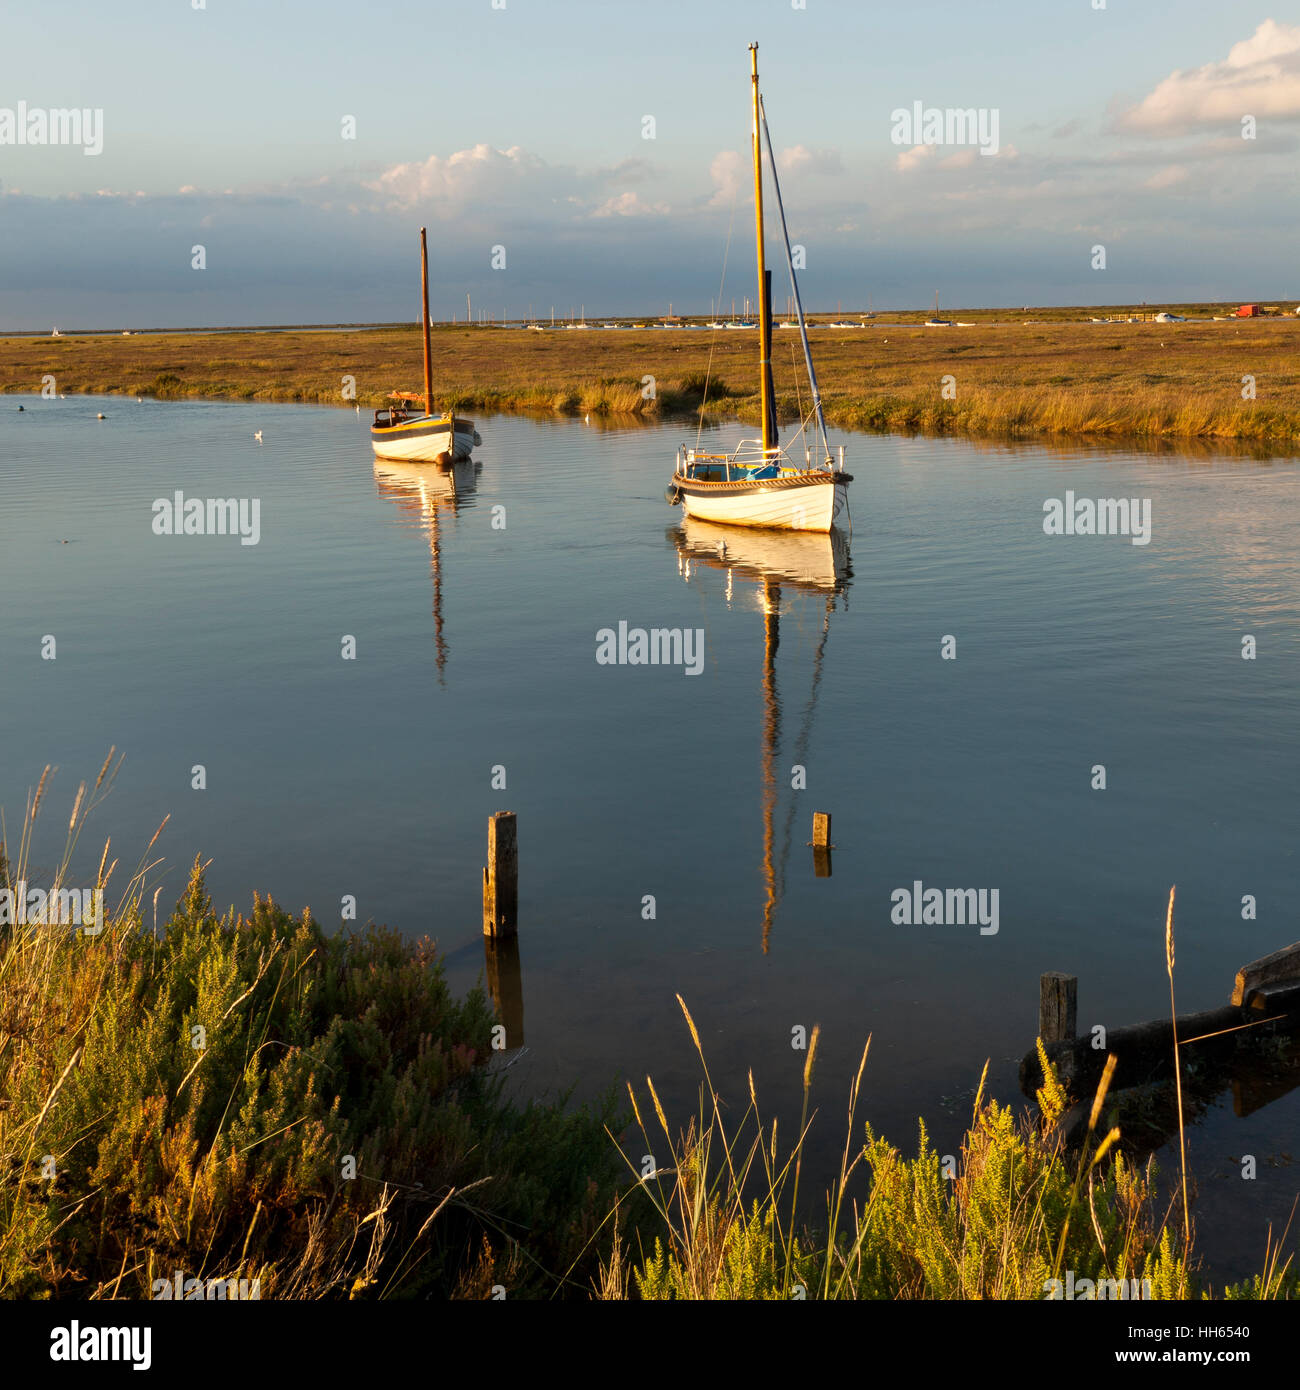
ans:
x=481 y=172
x=913 y=158
x=800 y=159
x=629 y=205
x=727 y=172
x=1260 y=77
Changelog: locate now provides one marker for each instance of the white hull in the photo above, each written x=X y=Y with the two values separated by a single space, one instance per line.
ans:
x=809 y=507
x=426 y=448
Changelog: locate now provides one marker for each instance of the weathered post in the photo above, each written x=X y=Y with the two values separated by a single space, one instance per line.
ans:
x=1057 y=1006
x=821 y=842
x=501 y=877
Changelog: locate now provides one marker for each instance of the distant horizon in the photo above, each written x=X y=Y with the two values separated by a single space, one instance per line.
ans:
x=1286 y=304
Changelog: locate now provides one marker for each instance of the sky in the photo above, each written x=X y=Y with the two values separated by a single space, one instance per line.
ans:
x=302 y=145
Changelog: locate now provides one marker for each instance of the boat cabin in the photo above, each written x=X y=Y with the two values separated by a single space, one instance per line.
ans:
x=722 y=468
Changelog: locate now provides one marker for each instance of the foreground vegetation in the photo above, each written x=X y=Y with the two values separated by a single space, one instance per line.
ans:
x=252 y=1099
x=1012 y=1216
x=1146 y=381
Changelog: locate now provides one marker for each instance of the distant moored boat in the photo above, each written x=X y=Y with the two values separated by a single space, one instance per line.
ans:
x=403 y=430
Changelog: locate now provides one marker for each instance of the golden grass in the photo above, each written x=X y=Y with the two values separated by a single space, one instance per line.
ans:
x=1149 y=381
x=999 y=1227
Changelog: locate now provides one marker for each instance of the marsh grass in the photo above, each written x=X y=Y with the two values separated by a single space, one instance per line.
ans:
x=1145 y=382
x=1015 y=1212
x=253 y=1098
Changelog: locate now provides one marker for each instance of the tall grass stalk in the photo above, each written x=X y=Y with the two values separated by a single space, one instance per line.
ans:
x=1178 y=1070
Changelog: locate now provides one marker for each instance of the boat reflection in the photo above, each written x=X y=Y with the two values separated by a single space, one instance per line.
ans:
x=778 y=569
x=425 y=491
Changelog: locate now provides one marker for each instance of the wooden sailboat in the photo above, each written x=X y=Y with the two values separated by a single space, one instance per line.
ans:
x=758 y=484
x=934 y=321
x=403 y=430
x=780 y=565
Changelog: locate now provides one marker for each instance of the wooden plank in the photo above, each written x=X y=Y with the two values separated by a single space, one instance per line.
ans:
x=1274 y=999
x=821 y=830
x=1268 y=970
x=1058 y=997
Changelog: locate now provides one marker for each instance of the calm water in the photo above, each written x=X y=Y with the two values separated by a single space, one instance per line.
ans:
x=476 y=648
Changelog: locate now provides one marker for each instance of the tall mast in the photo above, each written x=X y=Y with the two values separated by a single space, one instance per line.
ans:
x=424 y=323
x=794 y=286
x=764 y=308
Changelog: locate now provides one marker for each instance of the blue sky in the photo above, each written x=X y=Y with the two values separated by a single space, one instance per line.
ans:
x=522 y=127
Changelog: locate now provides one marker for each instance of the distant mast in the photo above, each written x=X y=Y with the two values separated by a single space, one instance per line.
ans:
x=424 y=322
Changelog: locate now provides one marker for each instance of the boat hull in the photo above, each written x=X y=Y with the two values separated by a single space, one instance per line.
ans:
x=425 y=440
x=803 y=502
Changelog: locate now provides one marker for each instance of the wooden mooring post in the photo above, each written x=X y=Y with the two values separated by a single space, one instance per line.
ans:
x=501 y=877
x=821 y=844
x=1058 y=1006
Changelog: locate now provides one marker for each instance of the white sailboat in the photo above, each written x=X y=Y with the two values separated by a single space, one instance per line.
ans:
x=758 y=484
x=934 y=321
x=405 y=432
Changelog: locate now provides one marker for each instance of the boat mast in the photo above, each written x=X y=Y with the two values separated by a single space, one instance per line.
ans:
x=794 y=286
x=424 y=322
x=764 y=308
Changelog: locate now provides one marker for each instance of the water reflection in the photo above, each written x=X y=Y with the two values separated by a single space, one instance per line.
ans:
x=1252 y=1071
x=783 y=568
x=426 y=490
x=506 y=986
